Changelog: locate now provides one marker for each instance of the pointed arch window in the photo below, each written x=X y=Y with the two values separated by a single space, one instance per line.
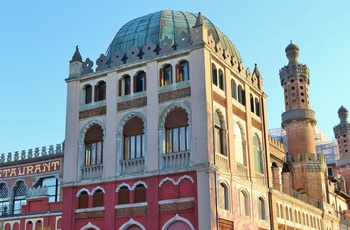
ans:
x=100 y=91
x=140 y=82
x=261 y=208
x=239 y=145
x=244 y=203
x=98 y=198
x=88 y=94
x=258 y=158
x=218 y=134
x=166 y=75
x=94 y=145
x=123 y=195
x=83 y=200
x=182 y=72
x=134 y=139
x=176 y=131
x=223 y=197
x=140 y=193
x=19 y=197
x=4 y=200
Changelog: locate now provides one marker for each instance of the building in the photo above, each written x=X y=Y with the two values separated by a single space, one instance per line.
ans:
x=169 y=131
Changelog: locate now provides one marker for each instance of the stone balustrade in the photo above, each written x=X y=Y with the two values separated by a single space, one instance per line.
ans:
x=132 y=166
x=242 y=171
x=38 y=192
x=221 y=161
x=30 y=154
x=176 y=160
x=91 y=171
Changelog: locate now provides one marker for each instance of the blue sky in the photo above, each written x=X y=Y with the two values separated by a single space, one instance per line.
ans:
x=38 y=39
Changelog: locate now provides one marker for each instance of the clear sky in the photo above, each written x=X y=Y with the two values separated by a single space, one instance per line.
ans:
x=38 y=39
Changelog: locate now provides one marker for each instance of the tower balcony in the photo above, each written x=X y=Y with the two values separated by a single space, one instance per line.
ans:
x=306 y=157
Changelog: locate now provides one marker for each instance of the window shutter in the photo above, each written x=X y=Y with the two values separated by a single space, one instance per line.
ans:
x=176 y=117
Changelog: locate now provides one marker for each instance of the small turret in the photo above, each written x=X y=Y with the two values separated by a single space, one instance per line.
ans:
x=200 y=30
x=292 y=53
x=343 y=115
x=75 y=65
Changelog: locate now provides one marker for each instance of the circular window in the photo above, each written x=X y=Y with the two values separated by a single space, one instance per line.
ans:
x=302 y=94
x=294 y=101
x=292 y=80
x=344 y=135
x=302 y=100
x=346 y=150
x=301 y=80
x=301 y=87
x=293 y=94
x=293 y=88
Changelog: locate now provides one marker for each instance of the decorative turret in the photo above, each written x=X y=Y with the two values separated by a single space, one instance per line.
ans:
x=299 y=120
x=200 y=30
x=342 y=134
x=75 y=65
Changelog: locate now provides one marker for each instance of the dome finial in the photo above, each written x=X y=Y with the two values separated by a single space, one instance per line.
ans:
x=76 y=55
x=292 y=53
x=343 y=115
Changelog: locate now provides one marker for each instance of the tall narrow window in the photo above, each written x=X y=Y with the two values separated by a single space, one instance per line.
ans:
x=123 y=195
x=182 y=72
x=176 y=131
x=124 y=85
x=218 y=134
x=241 y=95
x=83 y=201
x=53 y=187
x=134 y=139
x=100 y=91
x=233 y=89
x=4 y=200
x=257 y=107
x=214 y=74
x=244 y=203
x=223 y=197
x=221 y=79
x=98 y=198
x=258 y=159
x=140 y=193
x=88 y=94
x=94 y=145
x=140 y=82
x=166 y=77
x=252 y=104
x=19 y=198
x=261 y=208
x=239 y=145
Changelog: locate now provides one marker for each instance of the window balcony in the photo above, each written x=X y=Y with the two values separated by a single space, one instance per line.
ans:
x=176 y=160
x=131 y=166
x=242 y=171
x=89 y=172
x=221 y=161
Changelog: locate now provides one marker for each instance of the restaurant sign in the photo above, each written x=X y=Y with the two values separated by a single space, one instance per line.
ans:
x=31 y=169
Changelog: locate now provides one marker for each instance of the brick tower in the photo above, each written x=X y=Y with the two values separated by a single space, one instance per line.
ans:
x=308 y=168
x=341 y=133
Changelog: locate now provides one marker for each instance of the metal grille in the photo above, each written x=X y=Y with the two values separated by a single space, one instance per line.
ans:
x=21 y=189
x=4 y=192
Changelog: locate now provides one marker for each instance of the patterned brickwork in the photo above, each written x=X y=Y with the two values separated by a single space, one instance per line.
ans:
x=131 y=211
x=225 y=224
x=174 y=207
x=98 y=214
x=131 y=104
x=176 y=94
x=238 y=112
x=256 y=124
x=219 y=99
x=93 y=112
x=93 y=78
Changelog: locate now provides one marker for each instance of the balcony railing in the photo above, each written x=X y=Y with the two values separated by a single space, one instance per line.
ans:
x=295 y=194
x=221 y=161
x=176 y=160
x=91 y=171
x=242 y=171
x=132 y=166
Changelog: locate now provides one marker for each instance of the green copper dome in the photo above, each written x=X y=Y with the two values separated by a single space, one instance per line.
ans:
x=156 y=26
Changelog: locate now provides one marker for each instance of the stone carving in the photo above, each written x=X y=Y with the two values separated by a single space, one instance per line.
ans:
x=132 y=54
x=149 y=50
x=228 y=57
x=2 y=159
x=43 y=151
x=219 y=50
x=183 y=40
x=58 y=149
x=101 y=63
x=16 y=156
x=211 y=42
x=9 y=157
x=87 y=66
x=166 y=45
x=117 y=58
x=23 y=155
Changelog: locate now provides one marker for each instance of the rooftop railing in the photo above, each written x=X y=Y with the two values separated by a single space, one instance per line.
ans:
x=30 y=154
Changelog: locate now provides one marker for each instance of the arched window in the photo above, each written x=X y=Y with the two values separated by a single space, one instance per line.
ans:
x=257 y=107
x=4 y=200
x=258 y=159
x=19 y=197
x=218 y=134
x=140 y=193
x=290 y=214
x=140 y=82
x=94 y=145
x=134 y=138
x=281 y=210
x=287 y=213
x=261 y=208
x=278 y=210
x=176 y=131
x=239 y=146
x=100 y=91
x=252 y=103
x=83 y=201
x=124 y=85
x=53 y=187
x=214 y=74
x=233 y=89
x=221 y=79
x=241 y=95
x=88 y=94
x=182 y=72
x=123 y=195
x=98 y=198
x=296 y=216
x=166 y=75
x=244 y=203
x=223 y=197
